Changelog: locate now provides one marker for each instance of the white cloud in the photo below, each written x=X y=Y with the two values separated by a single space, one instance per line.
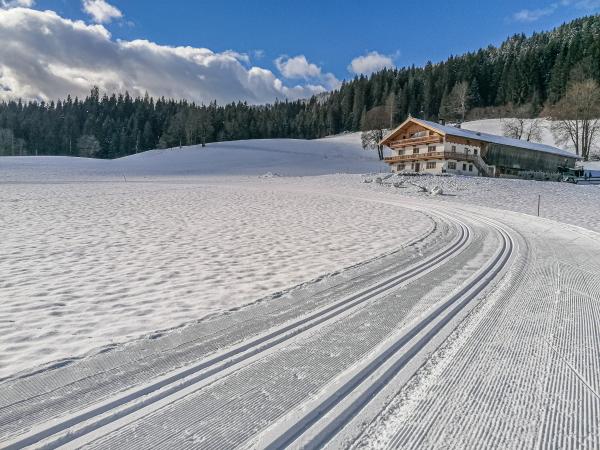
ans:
x=369 y=63
x=16 y=3
x=533 y=15
x=44 y=56
x=298 y=67
x=585 y=5
x=101 y=11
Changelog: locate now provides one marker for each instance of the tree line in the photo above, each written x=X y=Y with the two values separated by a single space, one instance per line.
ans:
x=527 y=74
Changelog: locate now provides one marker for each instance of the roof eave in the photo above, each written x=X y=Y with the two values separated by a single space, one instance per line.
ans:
x=399 y=127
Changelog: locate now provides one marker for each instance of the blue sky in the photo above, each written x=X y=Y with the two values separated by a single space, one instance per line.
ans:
x=331 y=33
x=264 y=49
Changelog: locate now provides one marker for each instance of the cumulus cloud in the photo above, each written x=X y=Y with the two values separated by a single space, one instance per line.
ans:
x=16 y=3
x=298 y=67
x=45 y=56
x=101 y=11
x=369 y=63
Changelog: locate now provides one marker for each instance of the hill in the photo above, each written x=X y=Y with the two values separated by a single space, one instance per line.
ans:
x=339 y=154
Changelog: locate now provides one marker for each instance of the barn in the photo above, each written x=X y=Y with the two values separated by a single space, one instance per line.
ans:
x=422 y=146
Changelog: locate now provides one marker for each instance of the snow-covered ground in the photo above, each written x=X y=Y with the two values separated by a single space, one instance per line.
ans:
x=90 y=264
x=286 y=157
x=95 y=253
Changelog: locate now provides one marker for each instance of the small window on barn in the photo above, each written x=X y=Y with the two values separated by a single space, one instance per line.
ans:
x=475 y=152
x=452 y=165
x=431 y=149
x=464 y=167
x=454 y=148
x=415 y=151
x=431 y=164
x=401 y=152
x=401 y=166
x=470 y=167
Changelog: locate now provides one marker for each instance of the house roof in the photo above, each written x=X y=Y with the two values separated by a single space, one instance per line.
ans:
x=485 y=137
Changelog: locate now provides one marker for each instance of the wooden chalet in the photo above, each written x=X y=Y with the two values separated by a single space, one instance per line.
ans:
x=423 y=146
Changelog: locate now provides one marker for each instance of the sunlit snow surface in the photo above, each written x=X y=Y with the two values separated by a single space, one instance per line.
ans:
x=98 y=253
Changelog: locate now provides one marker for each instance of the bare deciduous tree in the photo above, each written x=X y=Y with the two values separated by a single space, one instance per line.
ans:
x=576 y=117
x=456 y=104
x=374 y=126
x=520 y=128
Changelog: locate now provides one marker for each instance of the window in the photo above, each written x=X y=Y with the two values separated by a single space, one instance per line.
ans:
x=400 y=152
x=470 y=167
x=431 y=149
x=465 y=167
x=415 y=151
x=454 y=149
x=431 y=164
x=452 y=165
x=401 y=166
x=475 y=151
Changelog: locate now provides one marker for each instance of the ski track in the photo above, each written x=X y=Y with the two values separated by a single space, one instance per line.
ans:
x=527 y=373
x=54 y=401
x=480 y=333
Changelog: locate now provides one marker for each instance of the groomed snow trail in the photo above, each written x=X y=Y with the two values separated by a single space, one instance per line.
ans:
x=481 y=332
x=524 y=370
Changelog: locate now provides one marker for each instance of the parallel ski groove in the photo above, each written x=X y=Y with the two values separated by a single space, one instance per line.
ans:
x=466 y=294
x=58 y=433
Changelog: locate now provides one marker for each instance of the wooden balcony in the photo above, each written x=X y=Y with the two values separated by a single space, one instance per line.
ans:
x=429 y=156
x=421 y=140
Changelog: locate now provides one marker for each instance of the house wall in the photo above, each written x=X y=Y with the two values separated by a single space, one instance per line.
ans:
x=441 y=165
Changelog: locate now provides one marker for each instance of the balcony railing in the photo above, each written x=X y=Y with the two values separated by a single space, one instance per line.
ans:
x=416 y=141
x=486 y=169
x=430 y=155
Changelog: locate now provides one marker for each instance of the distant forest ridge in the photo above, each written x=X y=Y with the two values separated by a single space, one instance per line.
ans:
x=523 y=72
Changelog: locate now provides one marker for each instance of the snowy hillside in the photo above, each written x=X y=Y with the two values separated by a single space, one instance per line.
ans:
x=338 y=154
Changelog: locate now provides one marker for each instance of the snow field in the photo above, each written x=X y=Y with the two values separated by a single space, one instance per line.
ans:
x=93 y=264
x=86 y=265
x=56 y=392
x=270 y=387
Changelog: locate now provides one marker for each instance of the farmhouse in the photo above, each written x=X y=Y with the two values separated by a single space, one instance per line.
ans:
x=423 y=146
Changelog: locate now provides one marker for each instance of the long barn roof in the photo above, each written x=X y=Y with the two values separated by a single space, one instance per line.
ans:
x=485 y=137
